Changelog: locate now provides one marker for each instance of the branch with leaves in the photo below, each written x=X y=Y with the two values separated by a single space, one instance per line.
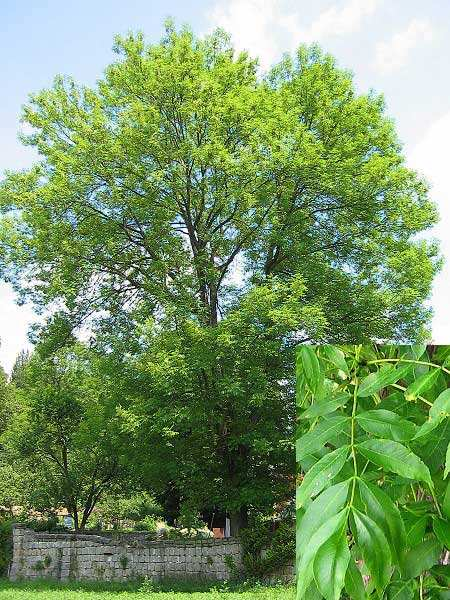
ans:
x=373 y=455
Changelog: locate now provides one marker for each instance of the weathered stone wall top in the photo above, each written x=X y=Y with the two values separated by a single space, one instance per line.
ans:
x=103 y=557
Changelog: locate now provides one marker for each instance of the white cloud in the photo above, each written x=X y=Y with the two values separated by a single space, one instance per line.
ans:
x=267 y=28
x=393 y=53
x=252 y=25
x=430 y=157
x=340 y=20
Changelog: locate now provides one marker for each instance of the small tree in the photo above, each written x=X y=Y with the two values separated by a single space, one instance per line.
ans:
x=64 y=432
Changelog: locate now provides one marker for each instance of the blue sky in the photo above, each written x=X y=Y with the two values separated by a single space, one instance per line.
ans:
x=399 y=48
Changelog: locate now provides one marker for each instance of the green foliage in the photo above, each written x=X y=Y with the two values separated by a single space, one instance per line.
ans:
x=114 y=508
x=372 y=499
x=62 y=441
x=212 y=411
x=50 y=524
x=181 y=163
x=6 y=548
x=265 y=551
x=200 y=221
x=189 y=518
x=148 y=523
x=19 y=366
x=13 y=477
x=4 y=401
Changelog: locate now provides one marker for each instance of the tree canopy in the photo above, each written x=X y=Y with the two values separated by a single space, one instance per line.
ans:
x=64 y=435
x=182 y=166
x=200 y=220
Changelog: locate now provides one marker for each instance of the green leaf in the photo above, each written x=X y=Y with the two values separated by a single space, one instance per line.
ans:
x=386 y=515
x=435 y=447
x=422 y=557
x=322 y=508
x=311 y=367
x=442 y=573
x=426 y=428
x=441 y=406
x=441 y=529
x=447 y=462
x=312 y=593
x=415 y=530
x=414 y=351
x=354 y=584
x=441 y=354
x=336 y=357
x=422 y=384
x=378 y=380
x=321 y=474
x=305 y=557
x=438 y=412
x=314 y=439
x=330 y=564
x=400 y=590
x=321 y=511
x=374 y=548
x=385 y=423
x=393 y=456
x=326 y=406
x=300 y=390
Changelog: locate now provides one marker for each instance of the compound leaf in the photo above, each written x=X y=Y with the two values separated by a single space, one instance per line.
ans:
x=354 y=584
x=422 y=384
x=384 y=512
x=422 y=557
x=311 y=367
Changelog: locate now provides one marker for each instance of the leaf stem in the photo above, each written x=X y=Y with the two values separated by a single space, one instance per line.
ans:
x=408 y=360
x=401 y=387
x=352 y=439
x=436 y=503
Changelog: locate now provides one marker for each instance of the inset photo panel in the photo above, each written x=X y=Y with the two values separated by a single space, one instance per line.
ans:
x=373 y=462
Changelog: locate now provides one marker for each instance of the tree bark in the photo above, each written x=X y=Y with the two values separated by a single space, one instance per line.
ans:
x=238 y=521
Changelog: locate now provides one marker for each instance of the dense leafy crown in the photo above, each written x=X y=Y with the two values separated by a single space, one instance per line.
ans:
x=373 y=501
x=200 y=221
x=182 y=180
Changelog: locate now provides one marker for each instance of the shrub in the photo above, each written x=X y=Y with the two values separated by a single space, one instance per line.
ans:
x=112 y=510
x=5 y=545
x=147 y=524
x=265 y=551
x=50 y=524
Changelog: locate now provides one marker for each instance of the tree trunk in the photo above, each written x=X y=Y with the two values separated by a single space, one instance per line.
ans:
x=74 y=512
x=213 y=301
x=238 y=521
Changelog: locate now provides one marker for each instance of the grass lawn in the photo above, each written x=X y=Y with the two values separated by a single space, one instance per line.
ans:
x=43 y=590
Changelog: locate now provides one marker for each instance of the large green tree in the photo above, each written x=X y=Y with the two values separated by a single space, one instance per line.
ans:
x=187 y=207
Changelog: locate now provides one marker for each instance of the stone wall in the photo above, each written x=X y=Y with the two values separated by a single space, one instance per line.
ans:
x=102 y=557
